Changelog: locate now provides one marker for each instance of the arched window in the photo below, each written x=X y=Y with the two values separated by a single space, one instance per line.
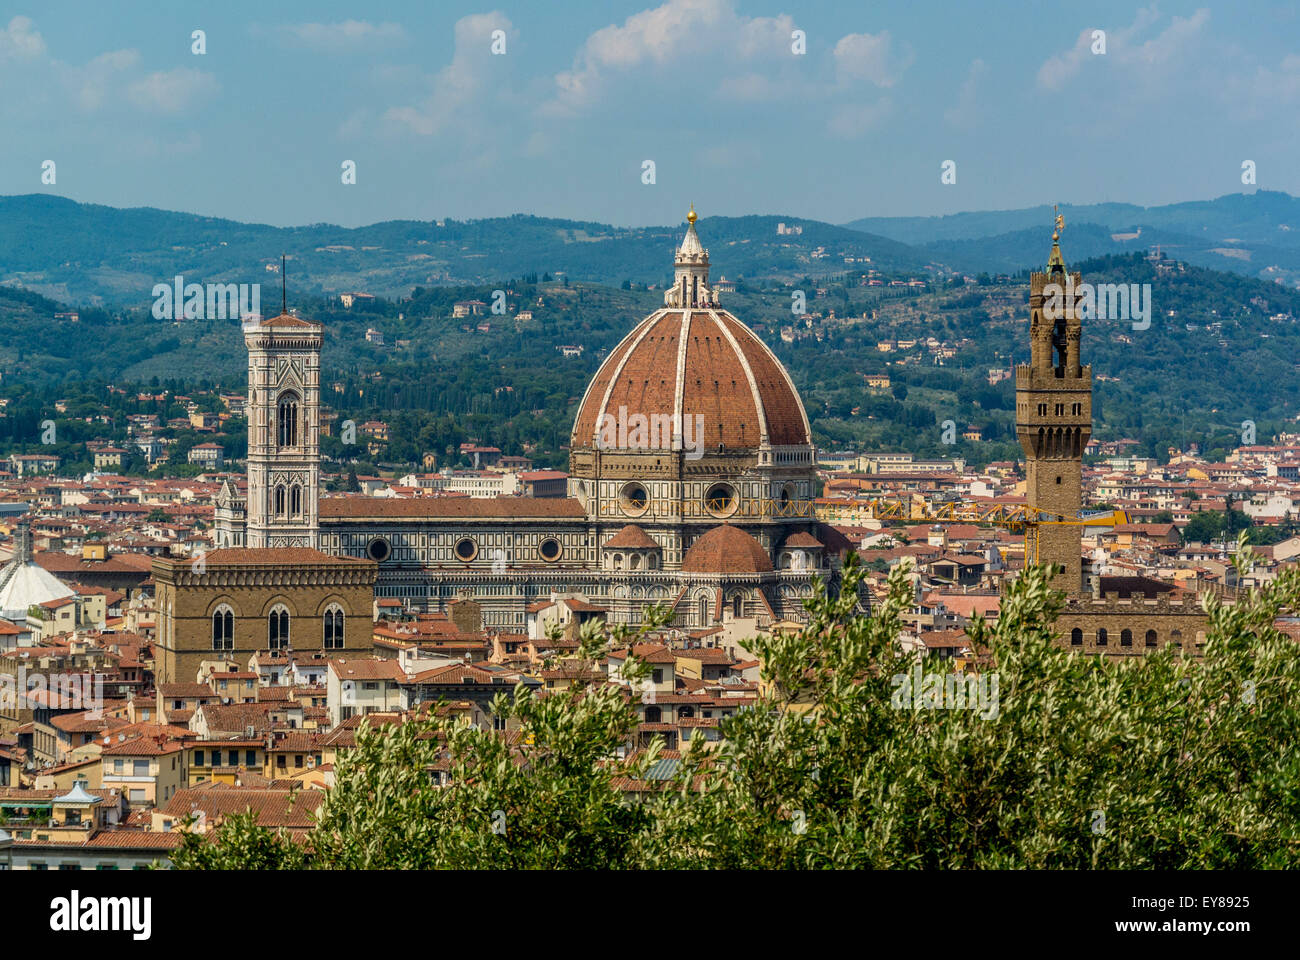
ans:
x=1101 y=636
x=334 y=627
x=279 y=500
x=737 y=606
x=295 y=500
x=286 y=420
x=1126 y=638
x=1076 y=637
x=277 y=627
x=1151 y=638
x=223 y=628
x=704 y=611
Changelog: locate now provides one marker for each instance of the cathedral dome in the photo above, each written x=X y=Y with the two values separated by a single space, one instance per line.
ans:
x=687 y=369
x=726 y=549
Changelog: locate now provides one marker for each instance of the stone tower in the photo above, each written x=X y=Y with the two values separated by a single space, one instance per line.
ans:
x=1054 y=418
x=283 y=432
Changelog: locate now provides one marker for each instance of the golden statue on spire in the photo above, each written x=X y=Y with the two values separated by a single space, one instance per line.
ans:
x=1060 y=223
x=691 y=217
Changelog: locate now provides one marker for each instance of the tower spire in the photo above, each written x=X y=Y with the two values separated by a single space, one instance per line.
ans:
x=691 y=271
x=1055 y=261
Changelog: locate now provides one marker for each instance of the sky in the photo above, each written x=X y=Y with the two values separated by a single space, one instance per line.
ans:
x=714 y=93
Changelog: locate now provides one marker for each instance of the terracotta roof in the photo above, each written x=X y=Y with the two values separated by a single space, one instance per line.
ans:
x=726 y=549
x=288 y=320
x=631 y=537
x=359 y=669
x=643 y=376
x=458 y=673
x=143 y=747
x=802 y=539
x=273 y=808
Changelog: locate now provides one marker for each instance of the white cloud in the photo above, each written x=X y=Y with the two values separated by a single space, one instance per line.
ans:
x=346 y=35
x=457 y=85
x=964 y=114
x=1126 y=52
x=95 y=83
x=871 y=58
x=171 y=91
x=18 y=41
x=700 y=35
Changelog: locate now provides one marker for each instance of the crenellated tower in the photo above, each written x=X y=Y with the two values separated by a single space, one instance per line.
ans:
x=1054 y=417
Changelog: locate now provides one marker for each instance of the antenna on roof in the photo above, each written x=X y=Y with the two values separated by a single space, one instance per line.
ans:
x=284 y=288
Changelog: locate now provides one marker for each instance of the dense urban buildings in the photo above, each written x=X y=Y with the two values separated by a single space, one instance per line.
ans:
x=213 y=643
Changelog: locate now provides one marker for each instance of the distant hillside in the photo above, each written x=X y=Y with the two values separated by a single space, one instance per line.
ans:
x=502 y=379
x=1255 y=234
x=90 y=254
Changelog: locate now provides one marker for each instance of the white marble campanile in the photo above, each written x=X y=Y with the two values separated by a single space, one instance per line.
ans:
x=283 y=432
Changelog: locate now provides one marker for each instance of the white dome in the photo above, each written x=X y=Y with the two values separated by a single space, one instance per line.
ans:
x=24 y=584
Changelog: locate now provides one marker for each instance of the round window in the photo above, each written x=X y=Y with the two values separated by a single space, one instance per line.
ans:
x=720 y=499
x=465 y=549
x=379 y=549
x=549 y=549
x=634 y=498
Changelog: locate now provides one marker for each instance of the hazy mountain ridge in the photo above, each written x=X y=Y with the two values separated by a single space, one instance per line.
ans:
x=92 y=254
x=1246 y=233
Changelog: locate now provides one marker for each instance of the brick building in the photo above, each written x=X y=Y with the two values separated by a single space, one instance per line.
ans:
x=230 y=604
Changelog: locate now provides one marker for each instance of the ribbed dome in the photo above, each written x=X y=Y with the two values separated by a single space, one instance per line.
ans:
x=725 y=375
x=631 y=537
x=726 y=549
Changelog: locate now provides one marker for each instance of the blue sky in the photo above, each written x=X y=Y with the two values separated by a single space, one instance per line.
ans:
x=710 y=90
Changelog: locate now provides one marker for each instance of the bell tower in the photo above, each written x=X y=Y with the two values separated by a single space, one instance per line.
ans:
x=1054 y=418
x=283 y=432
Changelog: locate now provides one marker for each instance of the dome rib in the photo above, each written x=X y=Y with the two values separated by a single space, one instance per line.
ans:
x=720 y=369
x=749 y=375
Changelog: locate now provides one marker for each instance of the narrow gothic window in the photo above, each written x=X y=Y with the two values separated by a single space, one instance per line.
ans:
x=286 y=421
x=277 y=628
x=279 y=500
x=334 y=628
x=295 y=500
x=223 y=628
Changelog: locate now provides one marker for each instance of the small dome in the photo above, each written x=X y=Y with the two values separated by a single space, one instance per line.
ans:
x=631 y=537
x=803 y=539
x=726 y=549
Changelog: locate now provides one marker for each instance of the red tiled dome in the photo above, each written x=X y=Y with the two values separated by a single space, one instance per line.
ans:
x=726 y=549
x=631 y=537
x=726 y=375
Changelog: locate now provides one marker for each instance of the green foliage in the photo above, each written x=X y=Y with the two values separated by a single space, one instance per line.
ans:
x=1160 y=762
